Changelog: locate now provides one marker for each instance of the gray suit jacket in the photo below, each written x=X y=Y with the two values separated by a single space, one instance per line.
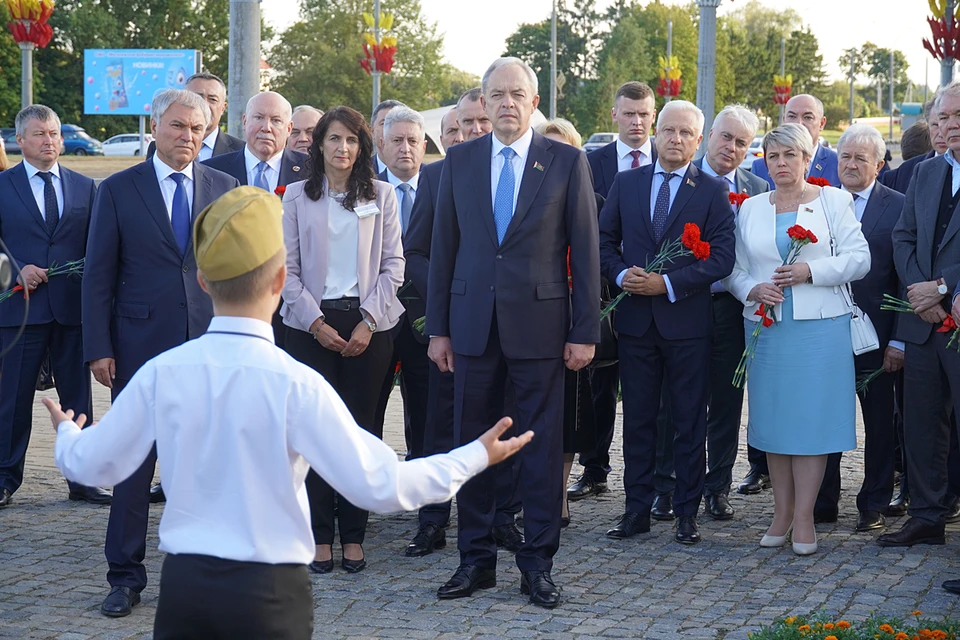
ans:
x=746 y=182
x=916 y=258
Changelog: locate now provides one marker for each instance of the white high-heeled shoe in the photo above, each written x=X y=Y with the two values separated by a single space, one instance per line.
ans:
x=769 y=541
x=805 y=548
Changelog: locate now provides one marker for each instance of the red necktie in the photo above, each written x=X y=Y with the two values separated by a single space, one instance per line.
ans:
x=636 y=158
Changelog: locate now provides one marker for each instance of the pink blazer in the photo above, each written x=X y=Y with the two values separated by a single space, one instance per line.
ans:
x=380 y=262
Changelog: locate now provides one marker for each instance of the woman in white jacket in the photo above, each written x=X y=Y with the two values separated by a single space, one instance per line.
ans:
x=801 y=378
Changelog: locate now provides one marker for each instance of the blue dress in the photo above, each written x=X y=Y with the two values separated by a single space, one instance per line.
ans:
x=801 y=384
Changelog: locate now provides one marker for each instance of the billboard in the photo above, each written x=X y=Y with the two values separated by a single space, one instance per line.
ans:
x=124 y=81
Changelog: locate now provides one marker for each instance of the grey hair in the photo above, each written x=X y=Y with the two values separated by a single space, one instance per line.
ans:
x=402 y=114
x=682 y=105
x=283 y=101
x=929 y=105
x=952 y=89
x=741 y=114
x=864 y=134
x=306 y=107
x=35 y=112
x=386 y=104
x=165 y=99
x=791 y=136
x=506 y=62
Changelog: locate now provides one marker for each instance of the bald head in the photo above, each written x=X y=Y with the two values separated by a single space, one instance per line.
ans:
x=267 y=124
x=807 y=111
x=450 y=130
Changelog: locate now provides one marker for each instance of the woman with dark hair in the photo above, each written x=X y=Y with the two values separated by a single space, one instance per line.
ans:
x=344 y=267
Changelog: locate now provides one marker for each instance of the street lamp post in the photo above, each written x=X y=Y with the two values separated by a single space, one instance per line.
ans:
x=707 y=63
x=244 y=60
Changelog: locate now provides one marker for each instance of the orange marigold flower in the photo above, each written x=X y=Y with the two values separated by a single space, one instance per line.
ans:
x=901 y=636
x=830 y=637
x=916 y=613
x=939 y=634
x=843 y=624
x=886 y=628
x=828 y=626
x=790 y=620
x=803 y=628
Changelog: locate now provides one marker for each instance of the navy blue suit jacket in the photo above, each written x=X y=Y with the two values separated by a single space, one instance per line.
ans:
x=234 y=164
x=899 y=179
x=520 y=284
x=24 y=231
x=604 y=164
x=225 y=143
x=879 y=218
x=416 y=241
x=140 y=293
x=824 y=166
x=626 y=221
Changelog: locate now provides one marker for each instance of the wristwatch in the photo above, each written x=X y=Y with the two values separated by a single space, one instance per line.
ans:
x=942 y=287
x=371 y=325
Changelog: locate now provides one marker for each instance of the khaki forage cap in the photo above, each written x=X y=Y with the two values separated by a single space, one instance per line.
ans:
x=237 y=232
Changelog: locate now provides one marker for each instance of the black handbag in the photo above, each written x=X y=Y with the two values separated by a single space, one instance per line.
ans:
x=606 y=353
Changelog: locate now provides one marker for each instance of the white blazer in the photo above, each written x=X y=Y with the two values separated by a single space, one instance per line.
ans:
x=758 y=257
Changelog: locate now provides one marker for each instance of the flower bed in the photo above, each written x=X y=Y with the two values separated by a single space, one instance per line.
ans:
x=874 y=628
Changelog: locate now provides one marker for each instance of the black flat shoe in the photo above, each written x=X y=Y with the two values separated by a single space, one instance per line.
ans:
x=156 y=494
x=630 y=524
x=467 y=579
x=953 y=586
x=898 y=506
x=5 y=498
x=870 y=521
x=584 y=487
x=953 y=515
x=913 y=532
x=825 y=516
x=120 y=602
x=662 y=508
x=353 y=566
x=754 y=482
x=429 y=537
x=508 y=536
x=541 y=589
x=321 y=566
x=687 y=531
x=718 y=506
x=93 y=495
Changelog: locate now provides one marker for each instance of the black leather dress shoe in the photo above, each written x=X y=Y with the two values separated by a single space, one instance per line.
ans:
x=870 y=520
x=953 y=515
x=508 y=536
x=953 y=586
x=662 y=508
x=825 y=515
x=156 y=494
x=687 y=531
x=898 y=506
x=584 y=487
x=93 y=495
x=5 y=498
x=754 y=482
x=467 y=579
x=718 y=506
x=429 y=537
x=539 y=586
x=630 y=524
x=913 y=532
x=321 y=566
x=120 y=602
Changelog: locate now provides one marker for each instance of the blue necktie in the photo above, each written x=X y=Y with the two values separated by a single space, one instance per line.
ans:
x=503 y=203
x=661 y=209
x=180 y=213
x=51 y=213
x=261 y=179
x=406 y=206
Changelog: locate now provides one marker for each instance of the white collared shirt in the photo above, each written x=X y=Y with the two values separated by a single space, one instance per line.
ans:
x=206 y=149
x=271 y=173
x=521 y=147
x=731 y=177
x=237 y=423
x=168 y=187
x=394 y=181
x=625 y=160
x=37 y=185
x=860 y=203
x=955 y=167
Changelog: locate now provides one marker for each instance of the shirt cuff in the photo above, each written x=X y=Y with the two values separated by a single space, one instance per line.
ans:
x=67 y=426
x=473 y=456
x=620 y=278
x=896 y=344
x=671 y=296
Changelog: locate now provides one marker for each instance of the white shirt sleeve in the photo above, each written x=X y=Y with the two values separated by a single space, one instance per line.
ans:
x=363 y=469
x=108 y=452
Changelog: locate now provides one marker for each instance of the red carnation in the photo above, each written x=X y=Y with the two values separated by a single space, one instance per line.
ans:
x=820 y=182
x=691 y=235
x=811 y=237
x=738 y=199
x=701 y=250
x=280 y=190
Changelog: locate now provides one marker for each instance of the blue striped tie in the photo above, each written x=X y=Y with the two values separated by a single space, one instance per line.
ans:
x=503 y=203
x=180 y=213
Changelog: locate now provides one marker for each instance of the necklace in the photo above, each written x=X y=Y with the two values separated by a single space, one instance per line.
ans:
x=793 y=207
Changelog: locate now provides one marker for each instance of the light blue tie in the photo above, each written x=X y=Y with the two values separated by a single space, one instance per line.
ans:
x=503 y=203
x=261 y=179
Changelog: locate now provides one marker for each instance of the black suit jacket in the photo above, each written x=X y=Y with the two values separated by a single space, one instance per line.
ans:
x=234 y=164
x=899 y=179
x=140 y=292
x=225 y=143
x=521 y=283
x=604 y=164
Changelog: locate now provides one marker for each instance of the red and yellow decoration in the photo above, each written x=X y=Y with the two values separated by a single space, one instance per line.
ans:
x=944 y=29
x=781 y=88
x=29 y=21
x=669 y=84
x=379 y=55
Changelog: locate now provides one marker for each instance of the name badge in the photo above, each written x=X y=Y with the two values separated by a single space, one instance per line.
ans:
x=367 y=210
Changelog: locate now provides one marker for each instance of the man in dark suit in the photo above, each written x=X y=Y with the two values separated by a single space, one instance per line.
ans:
x=665 y=324
x=926 y=250
x=215 y=142
x=633 y=112
x=43 y=221
x=806 y=110
x=141 y=296
x=377 y=118
x=860 y=152
x=899 y=179
x=510 y=206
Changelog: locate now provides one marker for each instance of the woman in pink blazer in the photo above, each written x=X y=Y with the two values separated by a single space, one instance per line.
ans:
x=344 y=267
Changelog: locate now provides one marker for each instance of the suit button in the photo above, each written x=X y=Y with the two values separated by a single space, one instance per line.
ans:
x=183 y=304
x=51 y=244
x=185 y=269
x=499 y=257
x=491 y=288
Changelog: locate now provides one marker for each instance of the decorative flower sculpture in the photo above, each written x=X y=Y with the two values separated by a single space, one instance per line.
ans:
x=379 y=55
x=29 y=24
x=670 y=82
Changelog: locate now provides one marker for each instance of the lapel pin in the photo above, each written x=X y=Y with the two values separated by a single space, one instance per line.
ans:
x=296 y=168
x=691 y=183
x=538 y=166
x=819 y=168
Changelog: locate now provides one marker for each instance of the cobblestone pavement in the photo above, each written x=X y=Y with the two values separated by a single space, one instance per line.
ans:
x=52 y=572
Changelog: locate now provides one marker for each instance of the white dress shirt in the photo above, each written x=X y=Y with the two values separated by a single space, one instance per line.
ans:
x=271 y=173
x=344 y=239
x=37 y=185
x=521 y=147
x=625 y=160
x=237 y=422
x=168 y=187
x=955 y=169
x=206 y=149
x=414 y=182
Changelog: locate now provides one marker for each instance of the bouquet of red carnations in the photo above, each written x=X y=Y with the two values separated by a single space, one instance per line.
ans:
x=72 y=268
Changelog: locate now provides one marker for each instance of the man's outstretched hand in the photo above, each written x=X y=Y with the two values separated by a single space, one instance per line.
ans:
x=499 y=450
x=58 y=415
